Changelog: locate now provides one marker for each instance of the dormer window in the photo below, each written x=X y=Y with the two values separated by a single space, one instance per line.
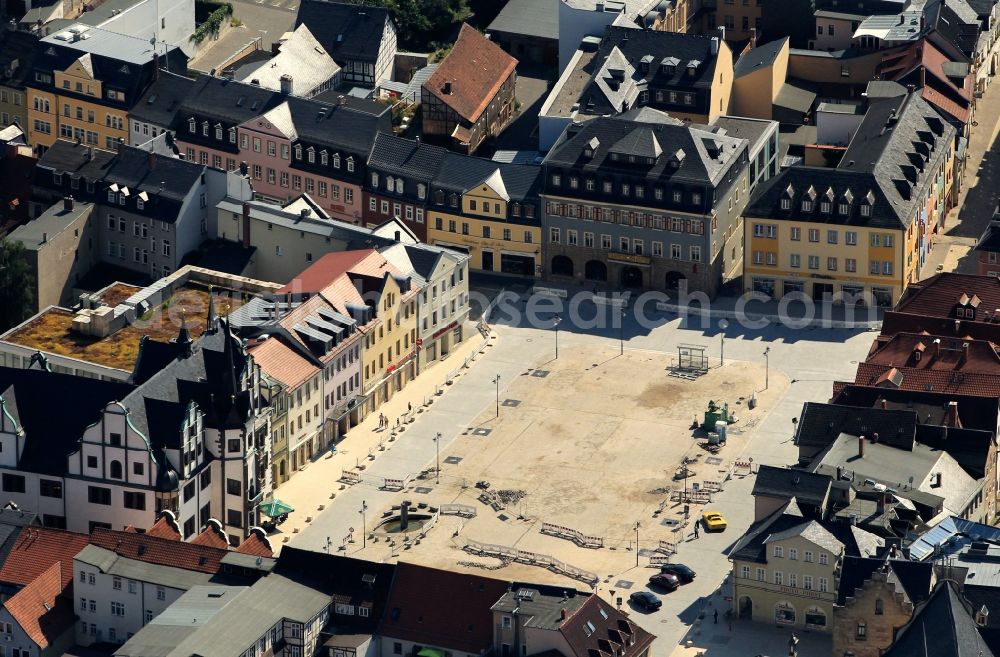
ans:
x=421 y=191
x=218 y=131
x=515 y=210
x=556 y=180
x=786 y=204
x=192 y=126
x=350 y=164
x=336 y=160
x=324 y=159
x=807 y=205
x=453 y=200
x=232 y=135
x=843 y=208
x=439 y=197
x=866 y=210
x=374 y=180
x=824 y=207
x=298 y=152
x=204 y=128
x=311 y=155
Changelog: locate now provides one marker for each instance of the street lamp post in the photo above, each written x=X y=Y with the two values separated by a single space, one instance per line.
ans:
x=767 y=366
x=496 y=381
x=558 y=319
x=437 y=449
x=723 y=325
x=621 y=334
x=637 y=542
x=364 y=524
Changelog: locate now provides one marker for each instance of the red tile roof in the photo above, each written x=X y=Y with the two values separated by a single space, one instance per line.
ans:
x=38 y=608
x=282 y=362
x=440 y=608
x=256 y=544
x=611 y=631
x=939 y=295
x=325 y=270
x=931 y=352
x=906 y=378
x=36 y=549
x=213 y=536
x=895 y=322
x=162 y=551
x=165 y=527
x=476 y=68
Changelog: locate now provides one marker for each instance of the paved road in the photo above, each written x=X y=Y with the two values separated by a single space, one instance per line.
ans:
x=812 y=359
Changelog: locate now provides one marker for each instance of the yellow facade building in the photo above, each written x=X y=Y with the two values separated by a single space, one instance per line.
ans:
x=85 y=81
x=859 y=231
x=491 y=212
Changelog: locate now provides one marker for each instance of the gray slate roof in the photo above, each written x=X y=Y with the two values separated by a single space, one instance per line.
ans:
x=532 y=18
x=943 y=626
x=685 y=142
x=349 y=32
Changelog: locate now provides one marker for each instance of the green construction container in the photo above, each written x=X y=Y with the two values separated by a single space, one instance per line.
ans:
x=715 y=413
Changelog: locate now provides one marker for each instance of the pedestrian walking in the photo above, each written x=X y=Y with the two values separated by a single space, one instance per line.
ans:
x=409 y=407
x=696 y=530
x=715 y=616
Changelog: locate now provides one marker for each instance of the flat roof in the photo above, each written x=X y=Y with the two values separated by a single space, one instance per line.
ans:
x=51 y=331
x=53 y=221
x=105 y=43
x=534 y=18
x=571 y=84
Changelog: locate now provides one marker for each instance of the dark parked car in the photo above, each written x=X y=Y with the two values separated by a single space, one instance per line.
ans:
x=645 y=600
x=679 y=570
x=665 y=581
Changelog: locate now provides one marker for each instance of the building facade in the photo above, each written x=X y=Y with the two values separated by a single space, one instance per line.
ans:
x=644 y=201
x=860 y=230
x=85 y=81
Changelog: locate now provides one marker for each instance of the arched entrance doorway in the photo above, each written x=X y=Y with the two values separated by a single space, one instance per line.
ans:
x=562 y=266
x=595 y=270
x=673 y=280
x=745 y=608
x=631 y=277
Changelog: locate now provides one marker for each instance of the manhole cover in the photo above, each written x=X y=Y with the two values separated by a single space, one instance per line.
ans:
x=541 y=374
x=422 y=489
x=503 y=517
x=512 y=402
x=453 y=460
x=482 y=431
x=670 y=522
x=713 y=460
x=623 y=584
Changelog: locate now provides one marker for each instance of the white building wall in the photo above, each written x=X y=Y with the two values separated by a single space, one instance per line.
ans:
x=442 y=307
x=170 y=21
x=576 y=22
x=94 y=592
x=385 y=63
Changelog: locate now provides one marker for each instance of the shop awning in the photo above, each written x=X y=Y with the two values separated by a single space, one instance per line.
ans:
x=430 y=652
x=274 y=508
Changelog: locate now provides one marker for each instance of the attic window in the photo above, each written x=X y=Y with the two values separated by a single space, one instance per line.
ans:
x=807 y=205
x=232 y=135
x=866 y=210
x=786 y=204
x=323 y=157
x=192 y=125
x=298 y=151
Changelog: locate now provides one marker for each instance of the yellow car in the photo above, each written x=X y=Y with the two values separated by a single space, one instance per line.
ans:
x=714 y=522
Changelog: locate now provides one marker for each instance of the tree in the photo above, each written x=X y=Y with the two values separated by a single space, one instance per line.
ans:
x=422 y=22
x=17 y=285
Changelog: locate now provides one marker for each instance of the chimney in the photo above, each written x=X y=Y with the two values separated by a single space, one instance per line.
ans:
x=151 y=160
x=446 y=88
x=286 y=84
x=861 y=447
x=304 y=213
x=722 y=32
x=951 y=418
x=885 y=404
x=68 y=204
x=45 y=238
x=562 y=614
x=880 y=502
x=417 y=139
x=715 y=45
x=935 y=347
x=840 y=473
x=923 y=76
x=342 y=100
x=246 y=225
x=874 y=437
x=965 y=353
x=156 y=66
x=753 y=38
x=910 y=88
x=90 y=153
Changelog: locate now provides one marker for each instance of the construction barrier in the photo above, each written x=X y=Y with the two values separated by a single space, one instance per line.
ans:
x=506 y=553
x=692 y=496
x=666 y=547
x=393 y=484
x=350 y=477
x=658 y=560
x=712 y=486
x=462 y=510
x=570 y=534
x=742 y=467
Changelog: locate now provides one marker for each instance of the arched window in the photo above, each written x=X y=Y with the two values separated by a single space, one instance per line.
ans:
x=116 y=469
x=298 y=151
x=350 y=164
x=336 y=160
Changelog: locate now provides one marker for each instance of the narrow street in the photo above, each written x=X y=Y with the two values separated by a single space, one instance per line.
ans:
x=978 y=196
